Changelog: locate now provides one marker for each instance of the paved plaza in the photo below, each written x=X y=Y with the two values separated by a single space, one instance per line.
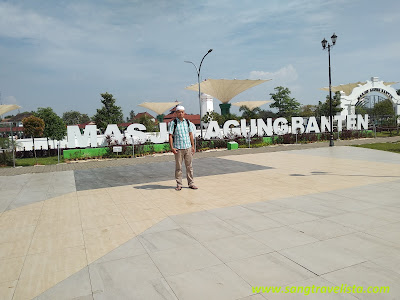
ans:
x=320 y=216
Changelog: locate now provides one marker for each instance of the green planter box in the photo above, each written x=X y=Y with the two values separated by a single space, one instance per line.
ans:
x=88 y=152
x=267 y=140
x=233 y=145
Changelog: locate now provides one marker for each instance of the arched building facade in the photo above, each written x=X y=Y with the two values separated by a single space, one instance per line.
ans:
x=353 y=96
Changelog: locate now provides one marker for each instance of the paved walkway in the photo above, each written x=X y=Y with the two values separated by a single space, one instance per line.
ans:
x=323 y=216
x=93 y=164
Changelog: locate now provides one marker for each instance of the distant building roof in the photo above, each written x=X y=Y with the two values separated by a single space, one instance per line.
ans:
x=19 y=117
x=195 y=119
x=143 y=114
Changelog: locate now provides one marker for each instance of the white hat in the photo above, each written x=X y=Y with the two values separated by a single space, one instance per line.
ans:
x=180 y=107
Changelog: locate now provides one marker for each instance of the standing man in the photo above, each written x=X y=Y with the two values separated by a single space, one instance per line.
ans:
x=182 y=145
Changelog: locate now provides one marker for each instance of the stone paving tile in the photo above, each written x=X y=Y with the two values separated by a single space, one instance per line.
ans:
x=151 y=172
x=122 y=265
x=236 y=247
x=77 y=286
x=281 y=271
x=179 y=260
x=216 y=282
x=367 y=274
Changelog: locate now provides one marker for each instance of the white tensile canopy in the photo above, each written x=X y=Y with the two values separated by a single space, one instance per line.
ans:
x=348 y=88
x=159 y=107
x=390 y=83
x=251 y=104
x=225 y=89
x=5 y=108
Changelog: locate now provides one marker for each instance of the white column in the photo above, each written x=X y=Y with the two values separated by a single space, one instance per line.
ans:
x=207 y=104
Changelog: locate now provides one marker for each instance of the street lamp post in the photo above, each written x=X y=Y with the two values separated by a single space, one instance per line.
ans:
x=198 y=81
x=326 y=45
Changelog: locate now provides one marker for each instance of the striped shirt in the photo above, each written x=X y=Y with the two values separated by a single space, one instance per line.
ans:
x=181 y=136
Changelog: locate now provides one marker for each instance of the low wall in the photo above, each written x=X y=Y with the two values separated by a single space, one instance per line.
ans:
x=93 y=152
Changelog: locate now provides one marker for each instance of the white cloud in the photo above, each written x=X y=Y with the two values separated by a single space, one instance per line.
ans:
x=286 y=74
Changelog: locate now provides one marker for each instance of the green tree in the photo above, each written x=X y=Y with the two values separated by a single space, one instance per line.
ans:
x=383 y=108
x=362 y=109
x=109 y=113
x=265 y=114
x=85 y=119
x=323 y=108
x=34 y=127
x=214 y=116
x=151 y=126
x=54 y=127
x=74 y=117
x=6 y=156
x=250 y=113
x=308 y=110
x=287 y=106
x=131 y=116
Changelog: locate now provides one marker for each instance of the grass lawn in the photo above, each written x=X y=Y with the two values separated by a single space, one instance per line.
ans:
x=391 y=147
x=386 y=134
x=25 y=162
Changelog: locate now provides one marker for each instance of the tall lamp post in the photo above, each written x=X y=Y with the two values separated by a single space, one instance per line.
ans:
x=326 y=45
x=198 y=81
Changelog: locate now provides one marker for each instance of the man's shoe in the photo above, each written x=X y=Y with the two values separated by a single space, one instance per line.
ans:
x=178 y=188
x=193 y=187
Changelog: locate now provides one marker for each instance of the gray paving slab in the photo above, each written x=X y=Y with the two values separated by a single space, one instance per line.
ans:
x=282 y=237
x=365 y=245
x=253 y=223
x=77 y=286
x=146 y=173
x=237 y=247
x=232 y=212
x=290 y=292
x=345 y=236
x=359 y=221
x=342 y=202
x=367 y=274
x=264 y=207
x=389 y=261
x=322 y=229
x=211 y=231
x=129 y=249
x=323 y=256
x=31 y=188
x=131 y=278
x=163 y=240
x=164 y=225
x=216 y=282
x=201 y=217
x=390 y=232
x=174 y=261
x=361 y=154
x=291 y=216
x=281 y=271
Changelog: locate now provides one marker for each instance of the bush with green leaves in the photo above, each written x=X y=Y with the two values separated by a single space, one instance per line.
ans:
x=5 y=152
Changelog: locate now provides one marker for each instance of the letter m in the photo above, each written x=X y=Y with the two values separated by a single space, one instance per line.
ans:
x=76 y=139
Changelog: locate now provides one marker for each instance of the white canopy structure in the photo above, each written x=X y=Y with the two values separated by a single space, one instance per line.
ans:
x=159 y=107
x=348 y=88
x=5 y=108
x=225 y=89
x=251 y=104
x=352 y=93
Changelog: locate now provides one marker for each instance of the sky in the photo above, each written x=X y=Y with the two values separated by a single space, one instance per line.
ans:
x=64 y=54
